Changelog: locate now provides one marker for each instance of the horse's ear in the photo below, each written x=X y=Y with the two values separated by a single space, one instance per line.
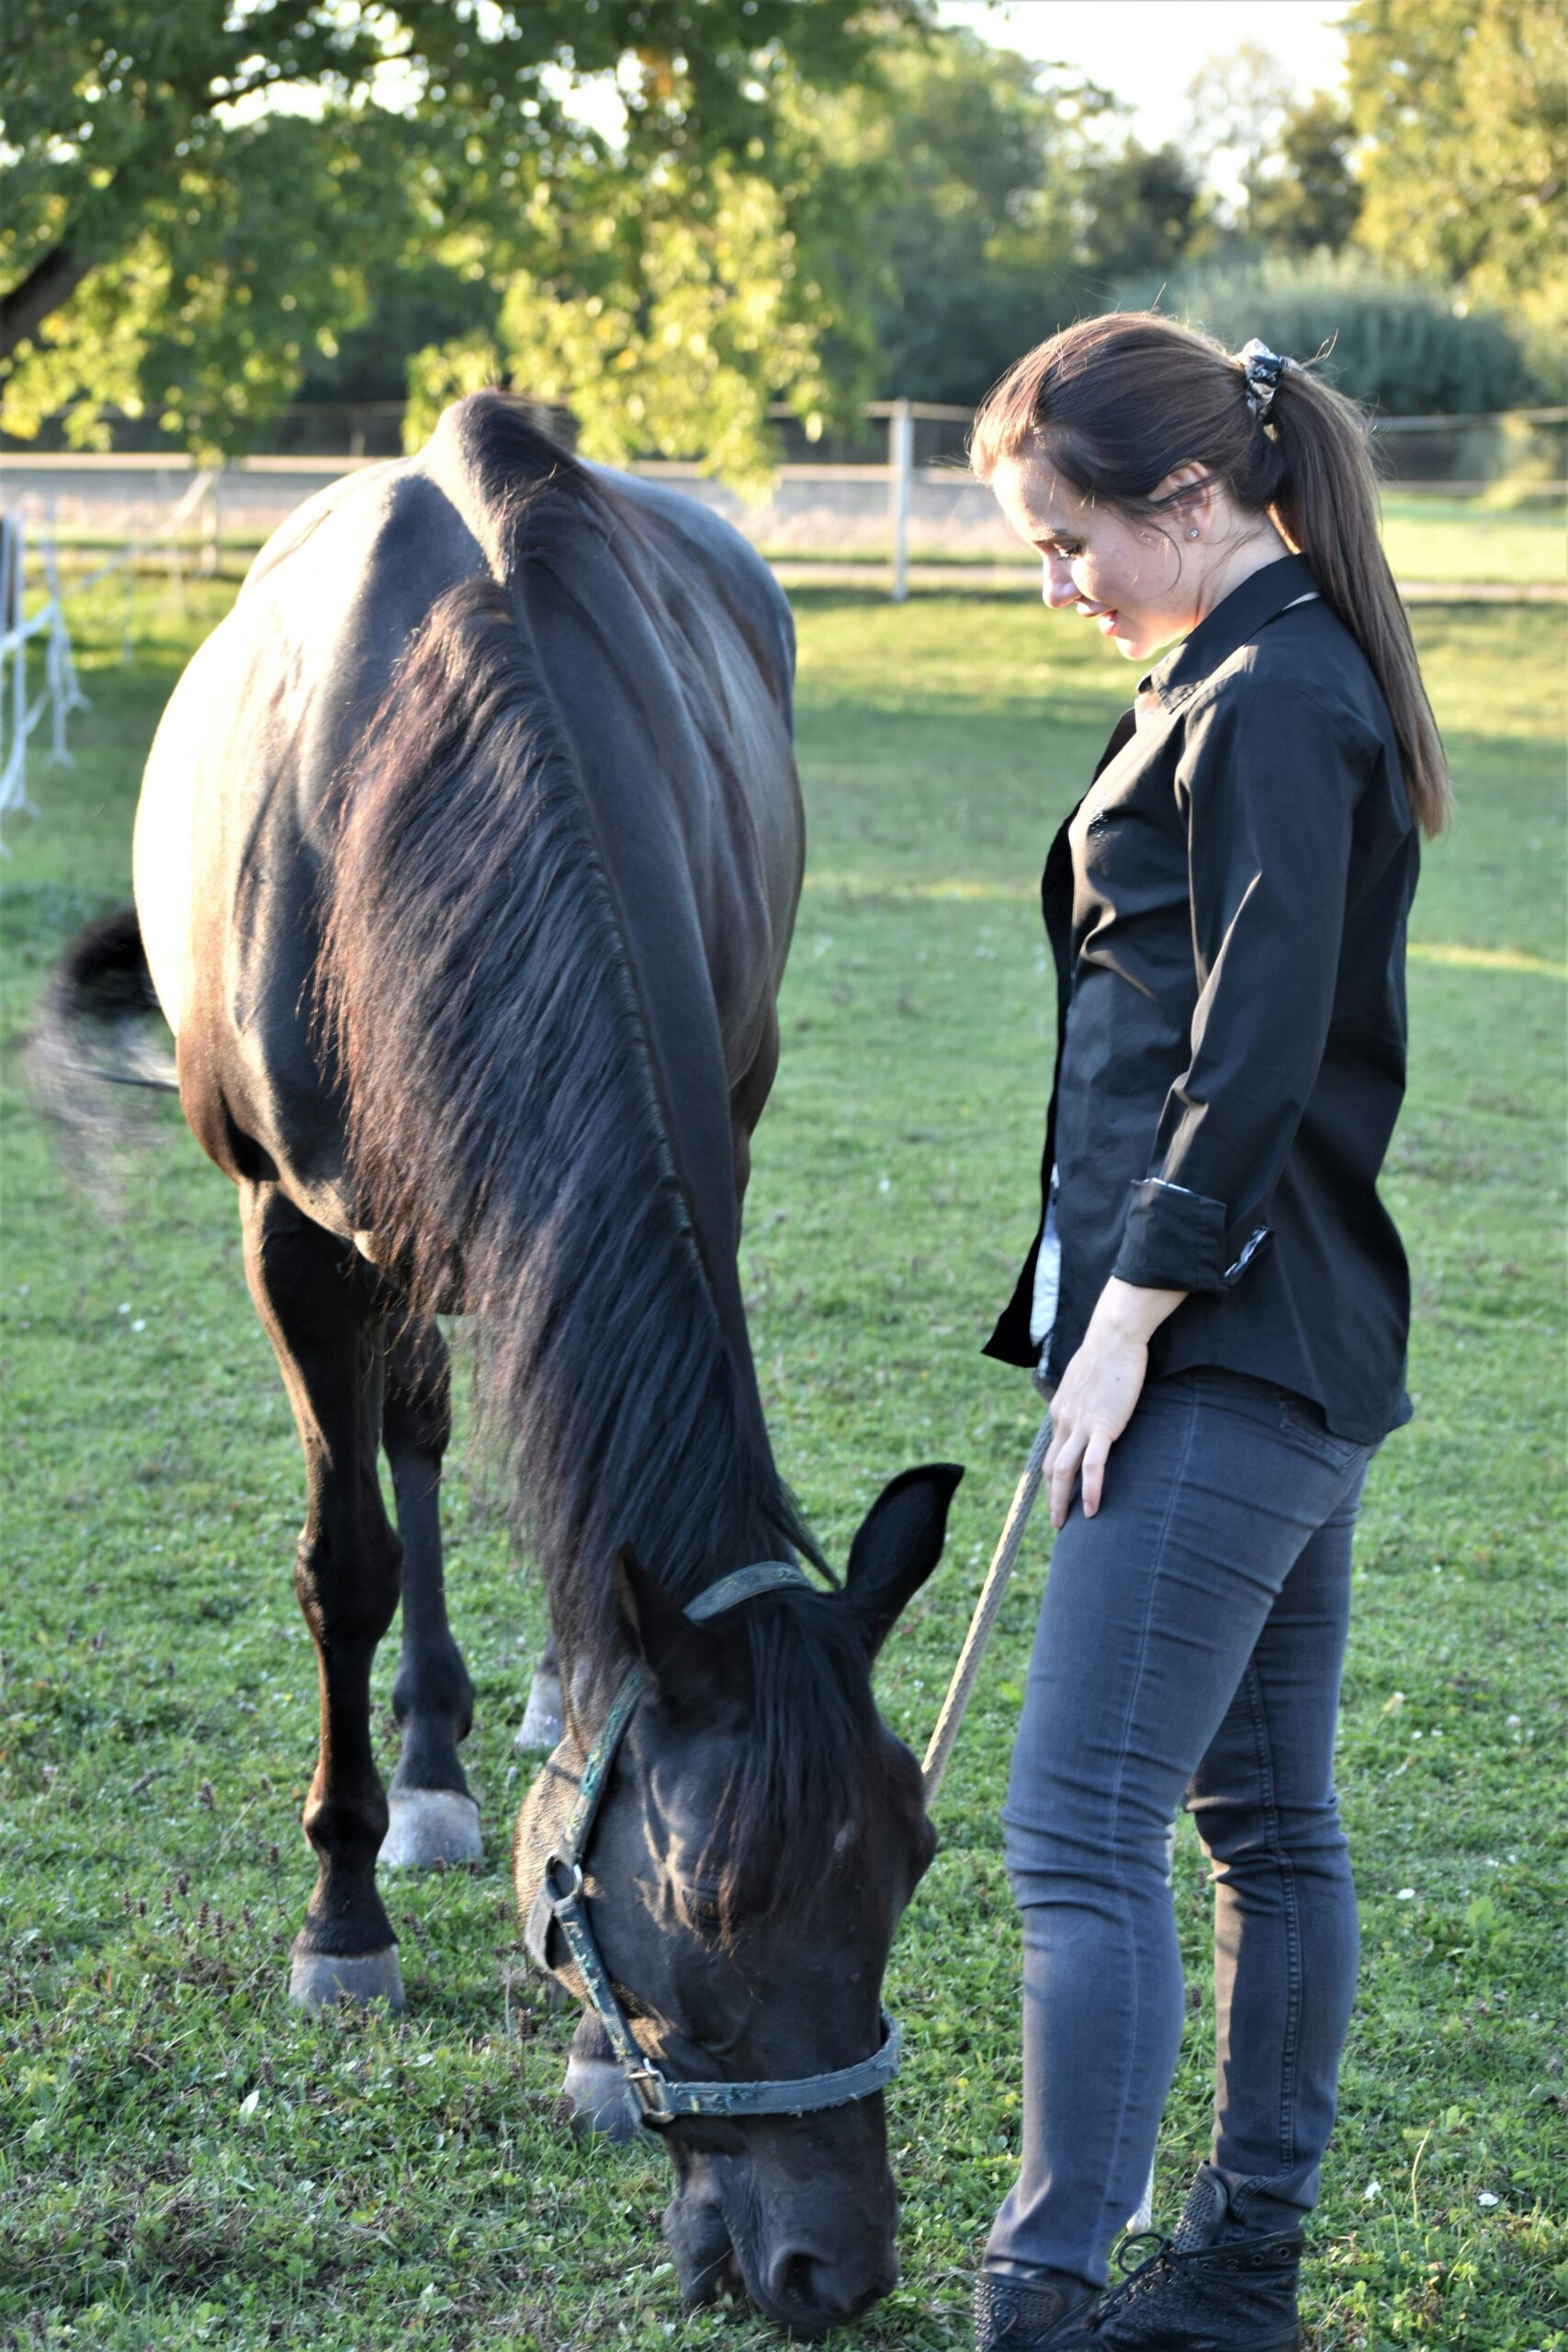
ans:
x=689 y=1663
x=898 y=1544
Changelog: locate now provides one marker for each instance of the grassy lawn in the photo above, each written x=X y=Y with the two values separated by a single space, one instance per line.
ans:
x=1465 y=538
x=184 y=2163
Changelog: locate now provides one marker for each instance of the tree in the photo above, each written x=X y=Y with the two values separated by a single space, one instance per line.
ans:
x=967 y=237
x=1239 y=106
x=1141 y=213
x=1311 y=201
x=999 y=198
x=200 y=198
x=1462 y=104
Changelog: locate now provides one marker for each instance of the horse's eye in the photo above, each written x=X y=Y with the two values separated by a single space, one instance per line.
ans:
x=700 y=1910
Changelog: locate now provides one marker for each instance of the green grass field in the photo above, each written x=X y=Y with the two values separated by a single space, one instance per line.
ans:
x=1469 y=538
x=184 y=2162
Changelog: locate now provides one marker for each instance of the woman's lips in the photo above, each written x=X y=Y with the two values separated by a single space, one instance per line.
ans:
x=1102 y=615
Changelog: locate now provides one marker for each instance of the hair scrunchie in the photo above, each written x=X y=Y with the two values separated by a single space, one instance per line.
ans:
x=1261 y=370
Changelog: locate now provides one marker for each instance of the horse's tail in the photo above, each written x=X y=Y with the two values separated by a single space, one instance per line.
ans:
x=103 y=978
x=506 y=1136
x=91 y=1035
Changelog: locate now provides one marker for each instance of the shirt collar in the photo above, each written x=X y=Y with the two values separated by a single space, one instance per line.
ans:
x=1261 y=597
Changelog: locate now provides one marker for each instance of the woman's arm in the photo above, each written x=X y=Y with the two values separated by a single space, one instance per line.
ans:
x=1094 y=1400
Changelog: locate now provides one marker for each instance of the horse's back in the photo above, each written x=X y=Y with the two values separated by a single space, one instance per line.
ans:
x=668 y=652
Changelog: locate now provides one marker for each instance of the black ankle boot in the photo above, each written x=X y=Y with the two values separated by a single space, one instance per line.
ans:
x=1051 y=2314
x=1209 y=2289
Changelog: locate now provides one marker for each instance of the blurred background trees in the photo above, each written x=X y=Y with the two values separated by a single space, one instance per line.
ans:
x=666 y=214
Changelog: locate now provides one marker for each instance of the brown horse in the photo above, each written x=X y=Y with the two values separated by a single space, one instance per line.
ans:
x=465 y=864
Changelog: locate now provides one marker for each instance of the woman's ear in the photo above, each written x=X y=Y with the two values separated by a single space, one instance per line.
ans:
x=1186 y=495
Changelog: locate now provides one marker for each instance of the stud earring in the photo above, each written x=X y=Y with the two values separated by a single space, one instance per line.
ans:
x=1191 y=535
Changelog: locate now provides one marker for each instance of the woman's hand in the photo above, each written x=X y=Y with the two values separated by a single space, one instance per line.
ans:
x=1096 y=1395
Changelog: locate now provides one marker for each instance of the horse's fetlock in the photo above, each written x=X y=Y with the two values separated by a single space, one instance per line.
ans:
x=436 y=1682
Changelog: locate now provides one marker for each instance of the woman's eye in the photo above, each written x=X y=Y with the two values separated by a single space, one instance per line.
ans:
x=1068 y=555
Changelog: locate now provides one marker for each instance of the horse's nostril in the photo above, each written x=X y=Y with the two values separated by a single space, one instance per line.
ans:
x=800 y=2282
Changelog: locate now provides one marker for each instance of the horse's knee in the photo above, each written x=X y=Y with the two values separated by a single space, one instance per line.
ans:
x=347 y=1586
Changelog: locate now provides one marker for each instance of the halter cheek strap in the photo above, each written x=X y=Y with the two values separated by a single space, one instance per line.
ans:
x=561 y=1903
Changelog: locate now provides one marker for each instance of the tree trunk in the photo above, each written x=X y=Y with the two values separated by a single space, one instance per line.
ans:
x=46 y=286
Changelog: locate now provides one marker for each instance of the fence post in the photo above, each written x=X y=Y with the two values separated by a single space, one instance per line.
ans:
x=900 y=466
x=207 y=565
x=14 y=784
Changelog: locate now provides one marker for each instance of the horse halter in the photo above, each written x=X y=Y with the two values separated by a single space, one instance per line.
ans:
x=560 y=1901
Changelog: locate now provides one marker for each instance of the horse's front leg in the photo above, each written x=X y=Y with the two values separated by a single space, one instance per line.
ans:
x=433 y=1816
x=318 y=1306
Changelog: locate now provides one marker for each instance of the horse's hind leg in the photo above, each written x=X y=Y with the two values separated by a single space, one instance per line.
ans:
x=433 y=1817
x=318 y=1304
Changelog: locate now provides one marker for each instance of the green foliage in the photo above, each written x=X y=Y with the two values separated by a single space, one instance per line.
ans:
x=235 y=278
x=1001 y=198
x=1240 y=106
x=418 y=304
x=1312 y=202
x=205 y=212
x=1393 y=341
x=196 y=206
x=1464 y=106
x=967 y=239
x=666 y=316
x=1140 y=211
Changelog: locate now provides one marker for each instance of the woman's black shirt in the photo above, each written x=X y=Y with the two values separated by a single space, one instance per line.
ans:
x=1226 y=907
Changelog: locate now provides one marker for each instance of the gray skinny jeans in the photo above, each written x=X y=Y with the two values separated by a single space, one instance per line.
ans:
x=1189 y=1649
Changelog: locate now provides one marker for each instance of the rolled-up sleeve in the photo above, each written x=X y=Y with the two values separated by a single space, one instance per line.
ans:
x=1268 y=784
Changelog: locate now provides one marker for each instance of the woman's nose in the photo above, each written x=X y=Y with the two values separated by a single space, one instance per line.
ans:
x=1056 y=587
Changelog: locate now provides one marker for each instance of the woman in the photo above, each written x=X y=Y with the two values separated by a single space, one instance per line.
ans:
x=1217 y=1300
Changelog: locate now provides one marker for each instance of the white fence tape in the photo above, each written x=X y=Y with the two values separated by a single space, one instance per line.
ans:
x=61 y=692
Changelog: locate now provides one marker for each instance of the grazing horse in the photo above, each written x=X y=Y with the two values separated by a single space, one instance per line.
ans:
x=466 y=866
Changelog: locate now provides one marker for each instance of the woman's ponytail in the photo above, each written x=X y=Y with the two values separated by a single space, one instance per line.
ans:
x=1125 y=399
x=1326 y=505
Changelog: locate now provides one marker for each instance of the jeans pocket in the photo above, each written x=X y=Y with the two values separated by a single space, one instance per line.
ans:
x=1303 y=1419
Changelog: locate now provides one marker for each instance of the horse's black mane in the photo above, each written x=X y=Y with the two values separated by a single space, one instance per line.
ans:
x=505 y=1128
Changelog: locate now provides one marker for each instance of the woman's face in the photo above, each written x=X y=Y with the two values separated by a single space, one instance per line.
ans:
x=1140 y=585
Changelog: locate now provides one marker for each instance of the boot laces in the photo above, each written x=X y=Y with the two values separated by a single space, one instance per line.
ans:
x=1137 y=2277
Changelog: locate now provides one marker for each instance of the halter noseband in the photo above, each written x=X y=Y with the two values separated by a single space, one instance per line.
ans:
x=561 y=1901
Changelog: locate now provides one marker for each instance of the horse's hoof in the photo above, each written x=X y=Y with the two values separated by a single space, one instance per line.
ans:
x=541 y=1725
x=429 y=1825
x=595 y=2098
x=318 y=1979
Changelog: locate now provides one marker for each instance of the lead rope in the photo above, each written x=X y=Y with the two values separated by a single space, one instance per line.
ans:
x=992 y=1594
